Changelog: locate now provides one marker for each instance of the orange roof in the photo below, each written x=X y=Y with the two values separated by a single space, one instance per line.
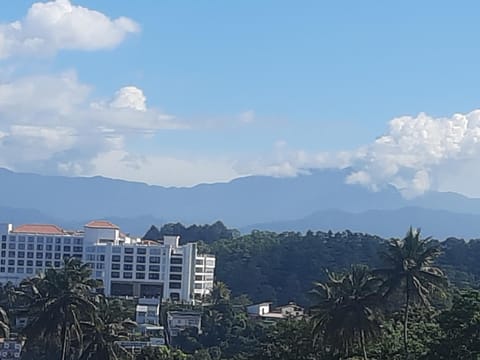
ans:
x=39 y=229
x=101 y=224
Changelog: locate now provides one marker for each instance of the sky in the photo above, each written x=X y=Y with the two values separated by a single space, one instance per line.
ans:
x=177 y=93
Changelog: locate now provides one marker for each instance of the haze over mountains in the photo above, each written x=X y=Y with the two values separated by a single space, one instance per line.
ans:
x=319 y=201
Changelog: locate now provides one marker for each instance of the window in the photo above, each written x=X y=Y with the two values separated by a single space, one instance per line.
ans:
x=56 y=264
x=39 y=255
x=11 y=246
x=78 y=241
x=2 y=269
x=199 y=262
x=21 y=246
x=154 y=259
x=29 y=271
x=175 y=269
x=31 y=239
x=174 y=285
x=4 y=246
x=198 y=269
x=39 y=263
x=58 y=248
x=58 y=240
x=128 y=267
x=116 y=250
x=115 y=258
x=67 y=241
x=57 y=256
x=100 y=257
x=140 y=267
x=128 y=259
x=21 y=254
x=11 y=262
x=90 y=249
x=29 y=262
x=128 y=250
x=67 y=248
x=141 y=259
x=100 y=249
x=115 y=266
x=20 y=262
x=40 y=239
x=20 y=270
x=11 y=254
x=77 y=249
x=141 y=251
x=176 y=277
x=4 y=237
x=100 y=265
x=154 y=251
x=140 y=276
x=98 y=274
x=115 y=274
x=30 y=247
x=153 y=276
x=66 y=256
x=198 y=277
x=30 y=255
x=155 y=268
x=48 y=263
x=127 y=275
x=176 y=260
x=20 y=238
x=48 y=247
x=209 y=270
x=198 y=286
x=49 y=240
x=39 y=247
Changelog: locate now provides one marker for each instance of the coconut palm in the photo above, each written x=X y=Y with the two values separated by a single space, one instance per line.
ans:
x=411 y=272
x=108 y=327
x=346 y=311
x=4 y=324
x=61 y=298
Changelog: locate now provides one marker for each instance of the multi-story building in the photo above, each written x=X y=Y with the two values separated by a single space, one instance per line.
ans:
x=127 y=266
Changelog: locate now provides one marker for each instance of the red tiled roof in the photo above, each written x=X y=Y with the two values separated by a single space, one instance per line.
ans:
x=101 y=224
x=39 y=229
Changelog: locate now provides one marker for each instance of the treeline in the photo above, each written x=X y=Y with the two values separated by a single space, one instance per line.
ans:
x=281 y=267
x=205 y=233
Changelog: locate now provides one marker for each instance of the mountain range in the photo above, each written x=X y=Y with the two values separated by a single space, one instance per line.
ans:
x=320 y=200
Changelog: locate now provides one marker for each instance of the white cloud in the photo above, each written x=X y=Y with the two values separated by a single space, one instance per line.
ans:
x=247 y=117
x=130 y=97
x=50 y=123
x=164 y=170
x=417 y=154
x=55 y=25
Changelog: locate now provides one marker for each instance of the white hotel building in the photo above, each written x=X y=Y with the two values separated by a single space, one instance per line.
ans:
x=127 y=266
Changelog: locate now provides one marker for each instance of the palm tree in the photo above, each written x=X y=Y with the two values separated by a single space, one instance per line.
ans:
x=411 y=271
x=220 y=292
x=346 y=312
x=61 y=299
x=4 y=324
x=108 y=327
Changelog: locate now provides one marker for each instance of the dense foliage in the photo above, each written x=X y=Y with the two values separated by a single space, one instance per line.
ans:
x=282 y=267
x=205 y=233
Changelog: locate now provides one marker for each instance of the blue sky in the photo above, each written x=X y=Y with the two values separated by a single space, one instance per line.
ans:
x=310 y=80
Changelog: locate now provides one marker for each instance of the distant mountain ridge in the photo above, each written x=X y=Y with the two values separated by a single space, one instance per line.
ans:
x=238 y=203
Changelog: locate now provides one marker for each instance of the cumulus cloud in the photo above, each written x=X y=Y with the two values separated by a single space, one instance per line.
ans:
x=50 y=123
x=130 y=97
x=55 y=25
x=416 y=154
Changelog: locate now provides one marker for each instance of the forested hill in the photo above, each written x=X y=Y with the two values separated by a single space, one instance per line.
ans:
x=282 y=266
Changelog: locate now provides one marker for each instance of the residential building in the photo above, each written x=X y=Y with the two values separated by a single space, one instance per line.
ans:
x=264 y=311
x=127 y=266
x=10 y=349
x=148 y=311
x=177 y=321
